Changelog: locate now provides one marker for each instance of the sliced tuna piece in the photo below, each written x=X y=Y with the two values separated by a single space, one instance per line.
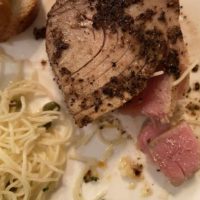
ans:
x=158 y=100
x=155 y=101
x=177 y=153
x=102 y=52
x=149 y=131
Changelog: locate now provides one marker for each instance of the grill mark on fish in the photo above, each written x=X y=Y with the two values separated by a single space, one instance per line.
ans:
x=89 y=19
x=103 y=98
x=107 y=56
x=58 y=10
x=108 y=83
x=111 y=53
x=132 y=61
x=106 y=71
x=99 y=51
x=109 y=69
x=98 y=77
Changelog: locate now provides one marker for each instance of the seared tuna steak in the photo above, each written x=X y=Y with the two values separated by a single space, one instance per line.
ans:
x=103 y=51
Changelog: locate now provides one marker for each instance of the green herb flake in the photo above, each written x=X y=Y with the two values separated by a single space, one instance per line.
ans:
x=89 y=177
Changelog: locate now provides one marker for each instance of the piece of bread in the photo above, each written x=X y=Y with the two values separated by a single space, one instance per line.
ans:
x=5 y=17
x=16 y=16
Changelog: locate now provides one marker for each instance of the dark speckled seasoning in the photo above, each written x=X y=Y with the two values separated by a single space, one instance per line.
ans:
x=174 y=33
x=104 y=51
x=59 y=43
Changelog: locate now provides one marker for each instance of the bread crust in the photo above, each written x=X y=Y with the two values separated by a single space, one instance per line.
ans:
x=5 y=18
x=14 y=19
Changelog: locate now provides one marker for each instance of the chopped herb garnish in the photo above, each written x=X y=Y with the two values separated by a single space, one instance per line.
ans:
x=89 y=177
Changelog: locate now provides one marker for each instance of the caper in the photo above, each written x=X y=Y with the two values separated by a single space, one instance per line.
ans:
x=15 y=104
x=51 y=106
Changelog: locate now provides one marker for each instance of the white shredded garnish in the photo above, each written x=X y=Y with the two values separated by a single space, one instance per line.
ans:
x=158 y=73
x=184 y=74
x=100 y=195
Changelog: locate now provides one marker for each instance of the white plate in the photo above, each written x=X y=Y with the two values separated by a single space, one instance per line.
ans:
x=25 y=47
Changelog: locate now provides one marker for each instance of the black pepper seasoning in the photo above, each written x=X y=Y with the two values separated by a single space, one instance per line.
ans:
x=43 y=62
x=39 y=33
x=197 y=86
x=60 y=45
x=195 y=69
x=162 y=17
x=137 y=170
x=174 y=33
